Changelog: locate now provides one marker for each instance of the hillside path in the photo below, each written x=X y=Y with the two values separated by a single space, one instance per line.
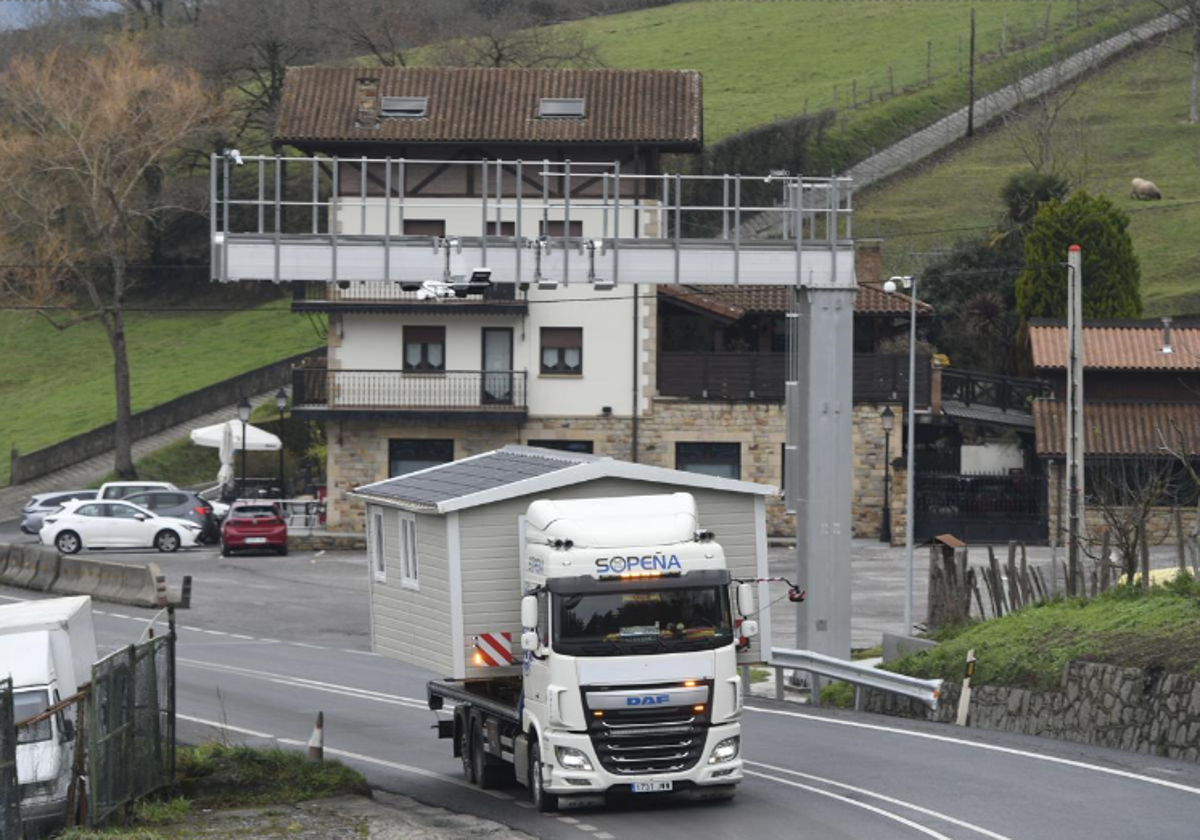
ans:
x=80 y=475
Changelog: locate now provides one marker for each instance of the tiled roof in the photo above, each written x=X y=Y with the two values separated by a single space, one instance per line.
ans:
x=1118 y=345
x=1115 y=428
x=494 y=106
x=733 y=302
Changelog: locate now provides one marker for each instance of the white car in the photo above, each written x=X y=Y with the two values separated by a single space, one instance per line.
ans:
x=121 y=489
x=115 y=524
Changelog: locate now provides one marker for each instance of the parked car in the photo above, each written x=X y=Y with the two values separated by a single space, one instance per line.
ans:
x=121 y=489
x=181 y=504
x=115 y=524
x=42 y=504
x=254 y=525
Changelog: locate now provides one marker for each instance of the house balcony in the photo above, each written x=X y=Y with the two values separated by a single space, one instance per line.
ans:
x=321 y=393
x=760 y=377
x=378 y=297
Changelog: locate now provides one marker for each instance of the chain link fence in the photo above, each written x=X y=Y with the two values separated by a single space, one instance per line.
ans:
x=10 y=796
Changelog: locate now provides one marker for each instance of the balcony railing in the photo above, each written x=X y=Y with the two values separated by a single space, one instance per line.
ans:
x=367 y=295
x=376 y=391
x=737 y=377
x=1006 y=393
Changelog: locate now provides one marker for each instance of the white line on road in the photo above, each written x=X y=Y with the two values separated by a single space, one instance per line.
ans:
x=864 y=792
x=855 y=803
x=1053 y=759
x=300 y=682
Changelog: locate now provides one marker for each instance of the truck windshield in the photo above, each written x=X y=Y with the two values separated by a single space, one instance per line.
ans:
x=28 y=704
x=642 y=621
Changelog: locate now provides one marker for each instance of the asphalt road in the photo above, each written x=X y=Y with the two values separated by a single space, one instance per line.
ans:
x=270 y=641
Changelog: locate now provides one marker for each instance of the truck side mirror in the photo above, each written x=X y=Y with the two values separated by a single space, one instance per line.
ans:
x=529 y=641
x=749 y=628
x=67 y=730
x=745 y=599
x=529 y=612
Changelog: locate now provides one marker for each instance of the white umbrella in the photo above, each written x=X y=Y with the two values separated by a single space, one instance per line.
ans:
x=227 y=437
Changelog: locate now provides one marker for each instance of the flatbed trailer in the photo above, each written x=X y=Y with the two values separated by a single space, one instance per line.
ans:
x=485 y=726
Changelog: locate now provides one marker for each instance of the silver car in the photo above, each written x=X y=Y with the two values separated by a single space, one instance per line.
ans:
x=41 y=504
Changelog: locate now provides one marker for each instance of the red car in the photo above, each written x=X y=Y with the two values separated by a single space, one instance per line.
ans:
x=254 y=525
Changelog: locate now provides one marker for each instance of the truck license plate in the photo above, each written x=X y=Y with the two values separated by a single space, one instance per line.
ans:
x=652 y=787
x=255 y=540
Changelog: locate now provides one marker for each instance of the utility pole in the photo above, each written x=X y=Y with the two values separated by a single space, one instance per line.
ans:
x=971 y=80
x=1075 y=443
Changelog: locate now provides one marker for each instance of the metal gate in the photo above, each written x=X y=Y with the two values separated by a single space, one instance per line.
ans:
x=981 y=508
x=10 y=790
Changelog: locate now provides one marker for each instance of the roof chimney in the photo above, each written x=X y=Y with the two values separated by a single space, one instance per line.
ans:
x=368 y=103
x=868 y=261
x=1167 y=335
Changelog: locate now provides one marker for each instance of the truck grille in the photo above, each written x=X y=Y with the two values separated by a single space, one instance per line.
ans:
x=640 y=741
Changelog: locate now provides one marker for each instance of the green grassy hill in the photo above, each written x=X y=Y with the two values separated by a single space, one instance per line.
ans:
x=57 y=384
x=1133 y=112
x=766 y=61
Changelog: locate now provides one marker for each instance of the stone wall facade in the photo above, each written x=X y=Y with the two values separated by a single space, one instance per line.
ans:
x=1125 y=708
x=1160 y=526
x=358 y=452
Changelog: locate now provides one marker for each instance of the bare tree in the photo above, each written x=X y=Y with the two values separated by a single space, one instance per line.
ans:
x=385 y=30
x=1176 y=443
x=86 y=158
x=1188 y=11
x=1125 y=491
x=510 y=33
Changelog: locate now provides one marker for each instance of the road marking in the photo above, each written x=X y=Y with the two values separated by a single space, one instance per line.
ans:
x=853 y=802
x=586 y=827
x=929 y=736
x=225 y=726
x=315 y=685
x=568 y=820
x=244 y=638
x=864 y=792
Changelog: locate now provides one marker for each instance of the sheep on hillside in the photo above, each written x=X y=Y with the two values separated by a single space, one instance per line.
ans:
x=1143 y=189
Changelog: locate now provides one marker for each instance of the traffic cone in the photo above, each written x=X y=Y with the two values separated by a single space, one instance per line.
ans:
x=316 y=744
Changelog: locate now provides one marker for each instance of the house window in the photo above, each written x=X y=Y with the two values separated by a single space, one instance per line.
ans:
x=403 y=106
x=719 y=459
x=562 y=350
x=425 y=227
x=558 y=228
x=406 y=456
x=505 y=229
x=409 y=568
x=425 y=348
x=583 y=447
x=378 y=556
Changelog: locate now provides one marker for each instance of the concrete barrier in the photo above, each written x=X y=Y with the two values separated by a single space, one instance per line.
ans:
x=41 y=568
x=3 y=559
x=22 y=566
x=45 y=561
x=77 y=576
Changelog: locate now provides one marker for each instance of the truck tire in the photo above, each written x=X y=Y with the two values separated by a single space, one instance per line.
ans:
x=487 y=768
x=544 y=802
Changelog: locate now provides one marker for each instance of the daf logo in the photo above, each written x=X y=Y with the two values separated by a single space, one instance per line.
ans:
x=647 y=700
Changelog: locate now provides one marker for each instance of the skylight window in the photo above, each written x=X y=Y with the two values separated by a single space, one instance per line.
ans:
x=561 y=109
x=404 y=106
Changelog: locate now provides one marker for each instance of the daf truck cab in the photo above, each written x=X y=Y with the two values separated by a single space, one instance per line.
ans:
x=629 y=679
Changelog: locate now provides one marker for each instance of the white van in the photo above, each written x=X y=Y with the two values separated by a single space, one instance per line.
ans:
x=121 y=489
x=47 y=648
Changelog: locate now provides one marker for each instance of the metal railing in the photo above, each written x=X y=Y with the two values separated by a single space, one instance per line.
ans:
x=1007 y=393
x=523 y=208
x=397 y=390
x=857 y=674
x=346 y=294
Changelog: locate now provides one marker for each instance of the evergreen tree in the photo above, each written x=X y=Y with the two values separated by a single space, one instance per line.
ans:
x=1111 y=274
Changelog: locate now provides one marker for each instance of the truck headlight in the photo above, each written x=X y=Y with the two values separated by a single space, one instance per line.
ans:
x=726 y=750
x=570 y=758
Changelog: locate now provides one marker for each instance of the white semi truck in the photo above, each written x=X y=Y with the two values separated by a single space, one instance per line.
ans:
x=47 y=648
x=629 y=682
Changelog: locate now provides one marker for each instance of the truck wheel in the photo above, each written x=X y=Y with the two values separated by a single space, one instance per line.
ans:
x=487 y=767
x=544 y=802
x=464 y=751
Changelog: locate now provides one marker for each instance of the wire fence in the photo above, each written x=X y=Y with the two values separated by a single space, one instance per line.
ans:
x=116 y=738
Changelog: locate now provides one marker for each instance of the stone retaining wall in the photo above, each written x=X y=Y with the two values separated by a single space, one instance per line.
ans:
x=1125 y=708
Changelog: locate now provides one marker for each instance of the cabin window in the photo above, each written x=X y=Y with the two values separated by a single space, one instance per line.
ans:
x=424 y=349
x=425 y=227
x=378 y=555
x=562 y=350
x=720 y=459
x=409 y=455
x=560 y=229
x=409 y=568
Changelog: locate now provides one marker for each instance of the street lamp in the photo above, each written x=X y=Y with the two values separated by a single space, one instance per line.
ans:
x=281 y=399
x=243 y=415
x=910 y=284
x=888 y=421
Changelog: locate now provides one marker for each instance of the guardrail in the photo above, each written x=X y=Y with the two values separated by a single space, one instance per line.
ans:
x=859 y=675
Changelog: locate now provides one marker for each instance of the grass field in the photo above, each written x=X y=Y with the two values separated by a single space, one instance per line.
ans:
x=765 y=61
x=1134 y=113
x=1126 y=626
x=54 y=385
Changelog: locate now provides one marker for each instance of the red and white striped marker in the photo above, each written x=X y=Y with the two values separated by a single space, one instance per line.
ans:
x=493 y=650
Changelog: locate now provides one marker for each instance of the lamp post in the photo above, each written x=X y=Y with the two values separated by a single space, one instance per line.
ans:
x=243 y=415
x=888 y=421
x=281 y=399
x=910 y=284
